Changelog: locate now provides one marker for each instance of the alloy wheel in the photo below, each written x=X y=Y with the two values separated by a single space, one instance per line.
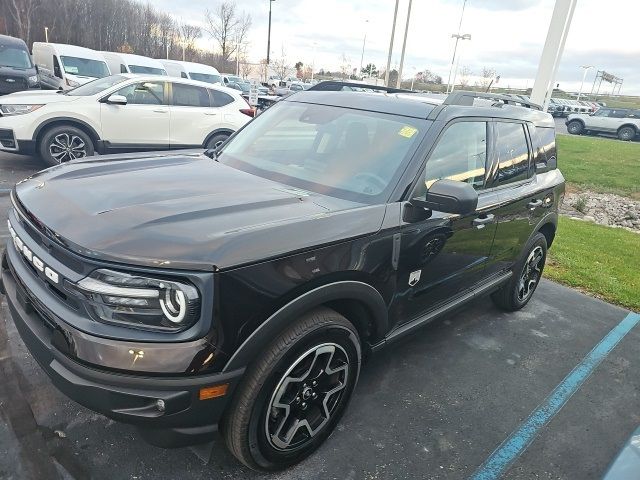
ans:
x=306 y=396
x=65 y=147
x=531 y=273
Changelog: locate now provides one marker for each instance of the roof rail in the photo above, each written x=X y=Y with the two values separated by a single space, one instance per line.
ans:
x=336 y=85
x=463 y=97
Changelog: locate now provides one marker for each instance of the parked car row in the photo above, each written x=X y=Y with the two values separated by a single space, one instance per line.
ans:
x=562 y=107
x=622 y=122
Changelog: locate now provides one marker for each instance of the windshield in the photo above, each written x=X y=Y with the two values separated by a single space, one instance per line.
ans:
x=84 y=67
x=97 y=86
x=146 y=70
x=233 y=78
x=205 y=77
x=350 y=154
x=14 y=57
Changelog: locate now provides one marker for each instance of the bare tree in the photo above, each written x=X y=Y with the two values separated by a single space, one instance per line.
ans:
x=486 y=78
x=188 y=36
x=22 y=13
x=227 y=28
x=281 y=66
x=465 y=75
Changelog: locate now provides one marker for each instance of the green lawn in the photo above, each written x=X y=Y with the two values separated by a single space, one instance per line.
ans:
x=600 y=164
x=600 y=260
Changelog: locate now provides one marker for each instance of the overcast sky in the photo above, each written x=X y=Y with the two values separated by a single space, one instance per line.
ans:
x=507 y=35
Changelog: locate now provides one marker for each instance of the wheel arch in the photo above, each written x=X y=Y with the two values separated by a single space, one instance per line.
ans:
x=54 y=122
x=549 y=231
x=632 y=125
x=357 y=301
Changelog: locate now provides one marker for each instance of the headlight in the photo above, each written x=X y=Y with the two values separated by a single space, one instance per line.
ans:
x=136 y=300
x=8 y=110
x=33 y=80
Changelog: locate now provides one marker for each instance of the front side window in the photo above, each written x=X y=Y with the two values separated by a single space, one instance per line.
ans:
x=190 y=96
x=512 y=152
x=602 y=112
x=84 y=67
x=14 y=57
x=351 y=154
x=143 y=93
x=146 y=70
x=460 y=154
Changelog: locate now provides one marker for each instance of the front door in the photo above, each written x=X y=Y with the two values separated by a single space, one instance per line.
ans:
x=446 y=254
x=142 y=124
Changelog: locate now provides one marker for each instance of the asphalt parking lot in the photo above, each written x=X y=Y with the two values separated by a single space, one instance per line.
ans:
x=434 y=406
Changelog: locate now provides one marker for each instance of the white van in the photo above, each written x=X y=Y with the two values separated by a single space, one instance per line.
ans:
x=64 y=67
x=129 y=63
x=191 y=70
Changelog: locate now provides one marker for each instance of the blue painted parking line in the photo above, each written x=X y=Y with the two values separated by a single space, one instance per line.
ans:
x=503 y=456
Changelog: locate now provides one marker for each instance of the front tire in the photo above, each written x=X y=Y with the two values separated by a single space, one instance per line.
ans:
x=626 y=133
x=65 y=143
x=293 y=395
x=527 y=273
x=575 y=127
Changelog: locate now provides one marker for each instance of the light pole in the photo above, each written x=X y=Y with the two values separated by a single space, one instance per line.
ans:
x=466 y=36
x=393 y=32
x=46 y=34
x=269 y=34
x=364 y=42
x=455 y=48
x=313 y=64
x=584 y=74
x=404 y=46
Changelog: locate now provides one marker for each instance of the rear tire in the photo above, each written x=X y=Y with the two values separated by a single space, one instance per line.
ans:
x=527 y=273
x=64 y=143
x=217 y=140
x=307 y=373
x=626 y=134
x=575 y=127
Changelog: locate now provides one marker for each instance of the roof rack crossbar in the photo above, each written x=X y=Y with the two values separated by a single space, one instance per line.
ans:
x=335 y=85
x=464 y=97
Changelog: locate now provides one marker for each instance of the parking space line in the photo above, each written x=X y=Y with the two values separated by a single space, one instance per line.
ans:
x=503 y=456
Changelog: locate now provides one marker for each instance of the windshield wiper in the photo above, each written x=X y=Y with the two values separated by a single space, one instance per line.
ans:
x=212 y=153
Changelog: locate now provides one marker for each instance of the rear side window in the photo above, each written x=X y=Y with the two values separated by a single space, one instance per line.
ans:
x=512 y=152
x=618 y=113
x=190 y=96
x=220 y=99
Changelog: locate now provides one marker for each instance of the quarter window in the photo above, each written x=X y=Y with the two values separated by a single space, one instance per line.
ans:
x=190 y=96
x=512 y=152
x=461 y=154
x=220 y=99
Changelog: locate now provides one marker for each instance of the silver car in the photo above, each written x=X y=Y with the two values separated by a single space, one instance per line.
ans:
x=623 y=122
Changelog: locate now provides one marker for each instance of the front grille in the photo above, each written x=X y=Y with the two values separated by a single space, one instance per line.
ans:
x=10 y=84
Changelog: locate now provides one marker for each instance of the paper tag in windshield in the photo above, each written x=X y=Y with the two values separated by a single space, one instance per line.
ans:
x=70 y=69
x=407 y=131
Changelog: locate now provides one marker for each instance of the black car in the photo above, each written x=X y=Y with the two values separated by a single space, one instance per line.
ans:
x=17 y=71
x=241 y=290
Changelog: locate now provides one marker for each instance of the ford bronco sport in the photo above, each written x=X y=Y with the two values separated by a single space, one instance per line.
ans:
x=242 y=289
x=622 y=122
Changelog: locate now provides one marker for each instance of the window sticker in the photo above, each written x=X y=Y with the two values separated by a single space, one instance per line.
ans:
x=407 y=131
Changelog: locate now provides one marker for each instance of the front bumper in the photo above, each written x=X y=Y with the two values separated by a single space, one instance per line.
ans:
x=9 y=143
x=183 y=419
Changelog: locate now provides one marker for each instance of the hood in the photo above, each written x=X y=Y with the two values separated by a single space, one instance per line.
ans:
x=185 y=211
x=36 y=97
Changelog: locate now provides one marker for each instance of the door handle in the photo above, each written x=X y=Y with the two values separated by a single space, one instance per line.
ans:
x=161 y=111
x=482 y=220
x=210 y=114
x=534 y=204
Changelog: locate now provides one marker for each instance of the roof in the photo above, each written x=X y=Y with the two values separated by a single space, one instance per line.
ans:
x=131 y=59
x=421 y=106
x=71 y=50
x=192 y=66
x=7 y=40
x=162 y=78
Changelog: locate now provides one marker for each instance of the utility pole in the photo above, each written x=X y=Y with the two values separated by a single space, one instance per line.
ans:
x=269 y=34
x=584 y=74
x=404 y=46
x=393 y=32
x=46 y=34
x=364 y=42
x=455 y=48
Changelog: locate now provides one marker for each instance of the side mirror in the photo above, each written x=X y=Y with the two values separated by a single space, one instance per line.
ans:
x=37 y=68
x=550 y=164
x=450 y=196
x=117 y=100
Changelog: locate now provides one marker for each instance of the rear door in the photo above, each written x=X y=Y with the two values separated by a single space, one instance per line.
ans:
x=446 y=254
x=192 y=117
x=521 y=197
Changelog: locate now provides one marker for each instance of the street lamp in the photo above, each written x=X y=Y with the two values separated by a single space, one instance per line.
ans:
x=364 y=42
x=466 y=36
x=455 y=48
x=46 y=34
x=269 y=35
x=584 y=75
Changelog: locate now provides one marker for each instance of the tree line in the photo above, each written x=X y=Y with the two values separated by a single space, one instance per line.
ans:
x=128 y=26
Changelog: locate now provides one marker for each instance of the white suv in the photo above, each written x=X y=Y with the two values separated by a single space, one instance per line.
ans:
x=121 y=113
